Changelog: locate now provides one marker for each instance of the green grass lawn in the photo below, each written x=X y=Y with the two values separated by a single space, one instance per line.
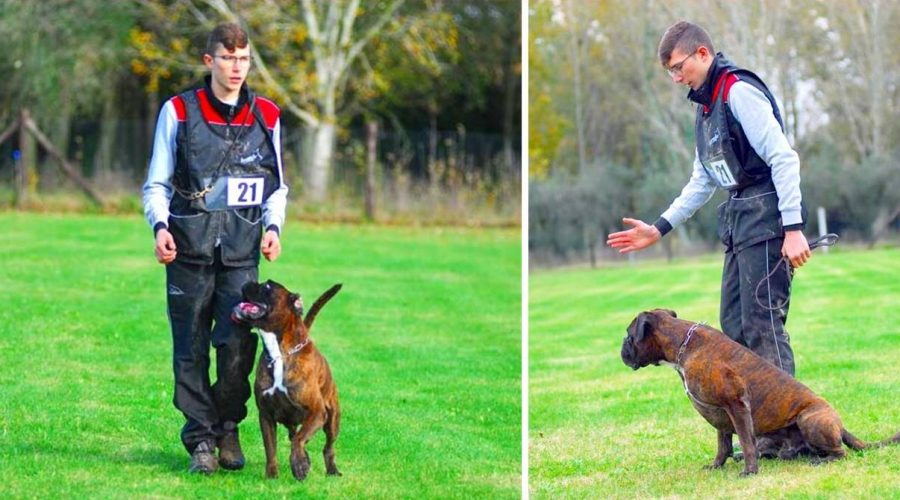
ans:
x=423 y=340
x=598 y=429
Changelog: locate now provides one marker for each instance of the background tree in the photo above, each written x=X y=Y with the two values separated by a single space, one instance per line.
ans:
x=65 y=59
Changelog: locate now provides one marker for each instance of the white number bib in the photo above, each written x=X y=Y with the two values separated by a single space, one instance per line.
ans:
x=718 y=169
x=245 y=191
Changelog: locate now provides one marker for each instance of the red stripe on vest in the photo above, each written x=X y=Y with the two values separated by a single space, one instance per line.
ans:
x=726 y=80
x=213 y=117
x=180 y=113
x=269 y=110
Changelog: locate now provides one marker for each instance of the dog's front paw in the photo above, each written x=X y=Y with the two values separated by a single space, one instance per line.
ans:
x=749 y=471
x=713 y=466
x=300 y=469
x=271 y=471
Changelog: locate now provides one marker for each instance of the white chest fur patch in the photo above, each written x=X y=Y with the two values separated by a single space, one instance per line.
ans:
x=270 y=341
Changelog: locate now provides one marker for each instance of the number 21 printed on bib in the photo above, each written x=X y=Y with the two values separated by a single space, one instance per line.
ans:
x=245 y=191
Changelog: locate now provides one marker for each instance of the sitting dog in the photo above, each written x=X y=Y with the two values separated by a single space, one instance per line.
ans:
x=737 y=391
x=296 y=387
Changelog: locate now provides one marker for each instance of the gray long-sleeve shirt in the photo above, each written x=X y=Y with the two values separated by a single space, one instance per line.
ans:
x=753 y=111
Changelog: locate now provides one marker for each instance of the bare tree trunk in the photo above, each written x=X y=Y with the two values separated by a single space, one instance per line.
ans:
x=883 y=222
x=509 y=102
x=432 y=140
x=879 y=82
x=371 y=160
x=152 y=116
x=323 y=150
x=26 y=166
x=460 y=161
x=576 y=64
x=104 y=157
x=591 y=241
x=60 y=132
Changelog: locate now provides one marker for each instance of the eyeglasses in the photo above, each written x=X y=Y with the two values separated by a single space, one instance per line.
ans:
x=231 y=60
x=677 y=69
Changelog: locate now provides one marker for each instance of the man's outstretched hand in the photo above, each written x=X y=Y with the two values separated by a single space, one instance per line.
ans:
x=640 y=236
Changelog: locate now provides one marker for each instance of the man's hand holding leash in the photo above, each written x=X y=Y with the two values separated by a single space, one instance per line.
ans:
x=795 y=248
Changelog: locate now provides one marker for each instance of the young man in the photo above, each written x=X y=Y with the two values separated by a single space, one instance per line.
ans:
x=741 y=147
x=215 y=196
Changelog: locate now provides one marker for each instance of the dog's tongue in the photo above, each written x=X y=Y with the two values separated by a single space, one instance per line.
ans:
x=249 y=308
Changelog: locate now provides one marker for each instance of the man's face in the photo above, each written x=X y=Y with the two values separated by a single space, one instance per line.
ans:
x=228 y=68
x=689 y=68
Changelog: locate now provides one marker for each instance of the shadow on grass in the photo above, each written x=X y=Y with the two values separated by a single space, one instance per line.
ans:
x=90 y=455
x=165 y=460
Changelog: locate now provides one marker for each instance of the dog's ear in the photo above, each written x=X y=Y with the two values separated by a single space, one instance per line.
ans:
x=669 y=312
x=296 y=304
x=641 y=325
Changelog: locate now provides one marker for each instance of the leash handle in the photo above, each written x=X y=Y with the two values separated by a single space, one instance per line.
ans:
x=823 y=241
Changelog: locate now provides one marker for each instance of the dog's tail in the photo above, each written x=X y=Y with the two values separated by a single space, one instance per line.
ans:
x=854 y=443
x=319 y=304
x=895 y=439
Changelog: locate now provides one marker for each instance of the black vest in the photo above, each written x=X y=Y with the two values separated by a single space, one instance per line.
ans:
x=722 y=146
x=750 y=215
x=223 y=174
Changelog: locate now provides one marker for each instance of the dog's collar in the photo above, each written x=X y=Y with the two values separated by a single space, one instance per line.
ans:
x=687 y=338
x=294 y=350
x=297 y=348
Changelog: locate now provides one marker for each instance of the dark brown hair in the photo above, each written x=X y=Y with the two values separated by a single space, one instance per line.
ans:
x=684 y=36
x=230 y=35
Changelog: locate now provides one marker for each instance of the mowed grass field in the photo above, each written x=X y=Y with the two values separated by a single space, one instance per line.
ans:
x=424 y=342
x=598 y=429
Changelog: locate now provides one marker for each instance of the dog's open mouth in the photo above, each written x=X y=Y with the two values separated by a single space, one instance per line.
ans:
x=248 y=311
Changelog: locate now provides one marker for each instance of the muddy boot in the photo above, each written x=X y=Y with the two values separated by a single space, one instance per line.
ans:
x=203 y=460
x=230 y=455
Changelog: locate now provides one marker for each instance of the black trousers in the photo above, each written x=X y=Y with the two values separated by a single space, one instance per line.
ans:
x=741 y=316
x=200 y=301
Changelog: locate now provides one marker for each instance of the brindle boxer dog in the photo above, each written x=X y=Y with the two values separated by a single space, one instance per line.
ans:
x=737 y=391
x=296 y=387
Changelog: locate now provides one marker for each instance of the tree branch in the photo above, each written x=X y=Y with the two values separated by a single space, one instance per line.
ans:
x=331 y=26
x=197 y=12
x=312 y=24
x=9 y=131
x=221 y=7
x=372 y=31
x=349 y=19
x=289 y=104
